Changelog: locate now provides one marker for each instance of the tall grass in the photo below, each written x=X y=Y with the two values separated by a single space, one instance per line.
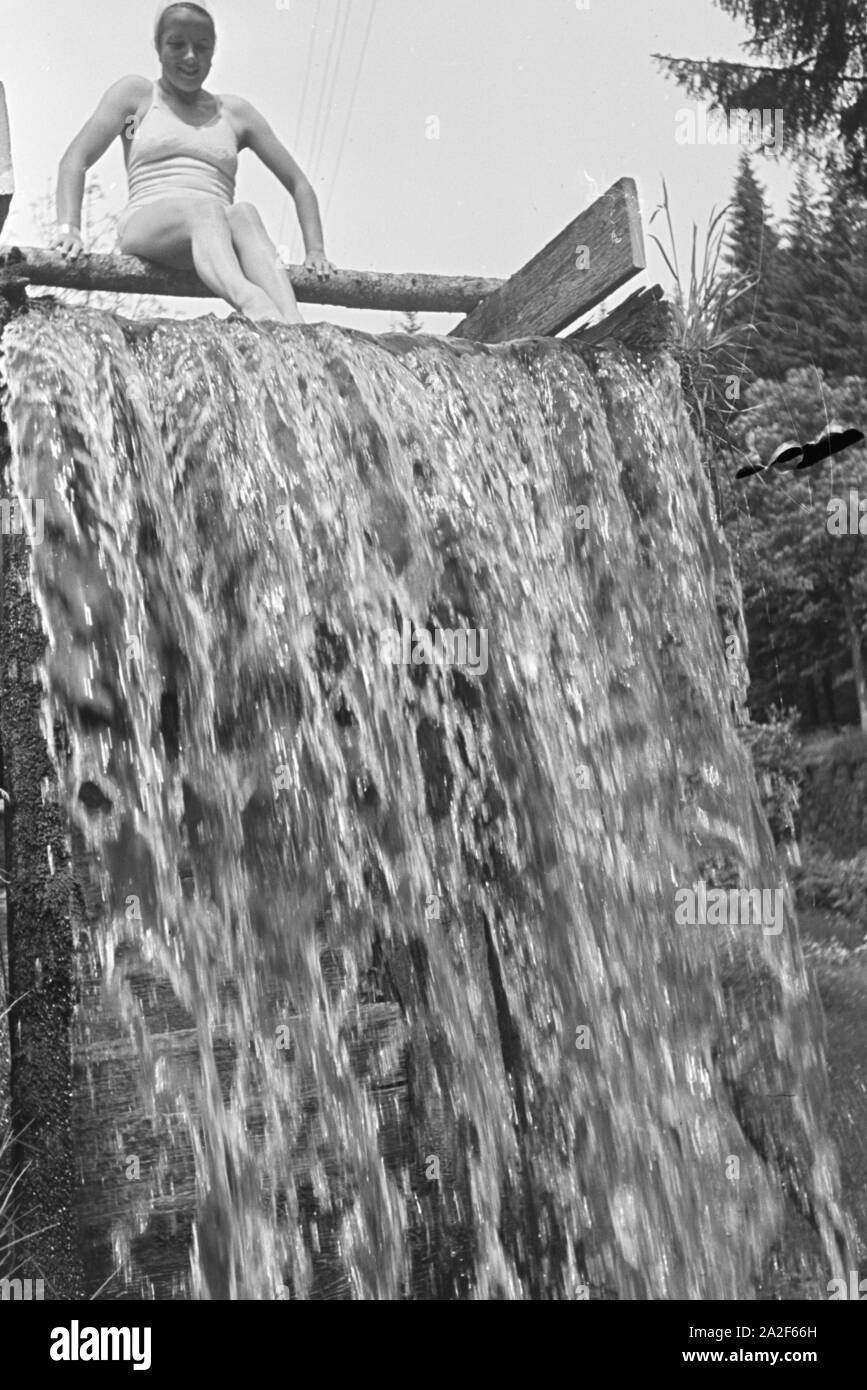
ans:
x=10 y=1241
x=17 y=1226
x=8 y=1180
x=710 y=340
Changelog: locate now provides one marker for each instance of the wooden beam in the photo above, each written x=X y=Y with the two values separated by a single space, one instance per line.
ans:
x=595 y=255
x=642 y=322
x=349 y=289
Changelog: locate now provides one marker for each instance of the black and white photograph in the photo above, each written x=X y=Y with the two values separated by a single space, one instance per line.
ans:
x=433 y=671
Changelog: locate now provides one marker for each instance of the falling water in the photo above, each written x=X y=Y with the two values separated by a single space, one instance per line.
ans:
x=382 y=992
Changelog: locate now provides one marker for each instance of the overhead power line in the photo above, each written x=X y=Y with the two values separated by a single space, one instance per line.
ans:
x=351 y=107
x=314 y=139
x=311 y=43
x=316 y=153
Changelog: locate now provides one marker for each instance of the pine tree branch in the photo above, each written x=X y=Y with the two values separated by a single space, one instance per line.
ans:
x=723 y=68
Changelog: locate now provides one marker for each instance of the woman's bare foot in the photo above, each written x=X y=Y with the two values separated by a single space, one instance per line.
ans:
x=259 y=307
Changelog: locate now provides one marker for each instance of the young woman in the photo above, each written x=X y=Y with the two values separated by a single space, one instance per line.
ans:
x=181 y=147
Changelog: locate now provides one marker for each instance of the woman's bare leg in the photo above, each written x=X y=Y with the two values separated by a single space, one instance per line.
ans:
x=259 y=261
x=195 y=234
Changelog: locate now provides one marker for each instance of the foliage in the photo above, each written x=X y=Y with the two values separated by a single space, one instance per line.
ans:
x=775 y=751
x=812 y=65
x=801 y=584
x=753 y=250
x=805 y=364
x=409 y=322
x=7 y=1204
x=800 y=283
x=809 y=305
x=11 y=1241
x=836 y=886
x=710 y=339
x=753 y=240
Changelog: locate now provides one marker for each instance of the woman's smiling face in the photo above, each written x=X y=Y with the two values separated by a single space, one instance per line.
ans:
x=186 y=48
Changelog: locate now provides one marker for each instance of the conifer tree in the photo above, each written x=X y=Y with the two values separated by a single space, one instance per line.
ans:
x=753 y=252
x=800 y=288
x=805 y=584
x=752 y=237
x=812 y=66
x=845 y=281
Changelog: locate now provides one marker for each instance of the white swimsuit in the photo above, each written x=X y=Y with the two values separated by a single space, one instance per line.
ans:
x=169 y=159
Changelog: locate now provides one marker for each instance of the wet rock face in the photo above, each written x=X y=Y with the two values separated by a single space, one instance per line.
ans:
x=391 y=716
x=43 y=910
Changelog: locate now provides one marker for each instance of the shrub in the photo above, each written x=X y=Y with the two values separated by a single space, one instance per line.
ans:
x=776 y=754
x=835 y=886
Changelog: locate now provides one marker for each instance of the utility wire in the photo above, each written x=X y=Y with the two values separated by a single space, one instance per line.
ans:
x=314 y=31
x=311 y=44
x=317 y=154
x=351 y=107
x=314 y=141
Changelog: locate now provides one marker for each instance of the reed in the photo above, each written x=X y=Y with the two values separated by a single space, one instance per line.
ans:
x=709 y=345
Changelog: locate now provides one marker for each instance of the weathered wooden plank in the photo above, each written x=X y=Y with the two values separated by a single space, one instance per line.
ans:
x=348 y=289
x=643 y=322
x=592 y=257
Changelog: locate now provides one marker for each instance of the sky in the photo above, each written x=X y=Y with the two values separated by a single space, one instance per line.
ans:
x=452 y=136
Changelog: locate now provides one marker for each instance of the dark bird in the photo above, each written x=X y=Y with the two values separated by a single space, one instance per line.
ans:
x=791 y=456
x=833 y=440
x=784 y=458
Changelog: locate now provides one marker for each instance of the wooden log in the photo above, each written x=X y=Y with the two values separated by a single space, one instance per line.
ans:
x=642 y=322
x=592 y=257
x=349 y=289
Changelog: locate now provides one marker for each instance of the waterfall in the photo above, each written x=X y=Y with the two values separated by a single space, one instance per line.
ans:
x=389 y=707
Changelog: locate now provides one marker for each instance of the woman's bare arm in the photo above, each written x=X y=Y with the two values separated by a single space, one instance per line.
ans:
x=108 y=121
x=7 y=179
x=261 y=139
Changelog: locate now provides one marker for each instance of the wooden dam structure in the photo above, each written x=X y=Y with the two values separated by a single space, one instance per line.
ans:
x=598 y=253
